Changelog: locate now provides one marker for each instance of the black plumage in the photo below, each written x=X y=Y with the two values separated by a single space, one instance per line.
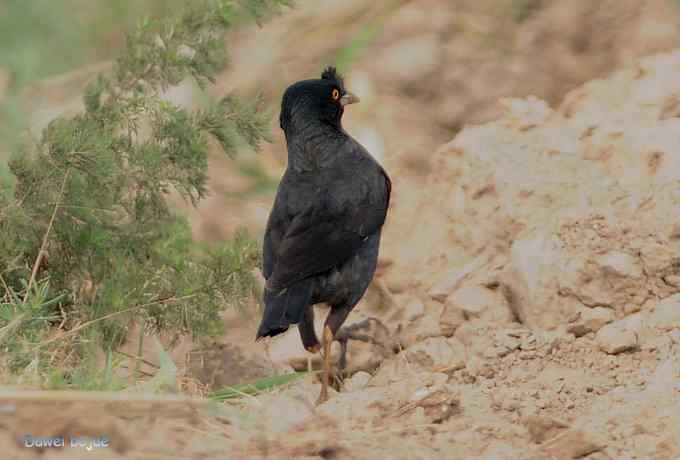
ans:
x=323 y=233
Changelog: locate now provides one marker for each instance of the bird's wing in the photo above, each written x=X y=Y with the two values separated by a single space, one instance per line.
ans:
x=272 y=239
x=324 y=234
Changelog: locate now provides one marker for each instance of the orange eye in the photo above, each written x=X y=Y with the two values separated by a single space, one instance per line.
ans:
x=336 y=94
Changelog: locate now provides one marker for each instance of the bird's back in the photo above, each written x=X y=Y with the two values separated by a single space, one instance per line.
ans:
x=330 y=206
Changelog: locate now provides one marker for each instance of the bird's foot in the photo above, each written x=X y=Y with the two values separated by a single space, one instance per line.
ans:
x=323 y=396
x=371 y=330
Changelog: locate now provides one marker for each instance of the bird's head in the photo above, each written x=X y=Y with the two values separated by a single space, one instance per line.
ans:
x=315 y=101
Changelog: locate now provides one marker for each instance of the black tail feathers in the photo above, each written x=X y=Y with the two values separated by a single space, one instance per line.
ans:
x=283 y=308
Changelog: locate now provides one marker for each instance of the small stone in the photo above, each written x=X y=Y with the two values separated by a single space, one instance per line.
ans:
x=357 y=381
x=614 y=339
x=432 y=352
x=508 y=340
x=420 y=329
x=450 y=319
x=473 y=301
x=391 y=370
x=590 y=320
x=673 y=280
x=436 y=404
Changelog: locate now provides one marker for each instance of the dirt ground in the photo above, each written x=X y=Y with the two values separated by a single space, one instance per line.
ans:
x=528 y=274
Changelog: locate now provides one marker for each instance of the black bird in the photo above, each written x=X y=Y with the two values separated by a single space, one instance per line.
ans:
x=323 y=233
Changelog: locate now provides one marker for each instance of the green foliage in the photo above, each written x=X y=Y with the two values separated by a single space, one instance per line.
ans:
x=41 y=38
x=88 y=242
x=259 y=386
x=522 y=10
x=85 y=377
x=261 y=182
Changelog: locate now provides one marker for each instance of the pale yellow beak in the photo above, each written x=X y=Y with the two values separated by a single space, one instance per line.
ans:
x=349 y=98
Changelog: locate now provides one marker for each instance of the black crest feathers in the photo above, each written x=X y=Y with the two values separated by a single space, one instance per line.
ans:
x=332 y=74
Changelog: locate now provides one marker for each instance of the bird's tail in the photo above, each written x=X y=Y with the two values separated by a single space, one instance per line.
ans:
x=281 y=309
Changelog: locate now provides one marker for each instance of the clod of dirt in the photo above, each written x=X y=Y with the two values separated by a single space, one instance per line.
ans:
x=431 y=353
x=590 y=320
x=475 y=301
x=614 y=338
x=421 y=328
x=450 y=319
x=543 y=428
x=436 y=404
x=572 y=444
x=226 y=365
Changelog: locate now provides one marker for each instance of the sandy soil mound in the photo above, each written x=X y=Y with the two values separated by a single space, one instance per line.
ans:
x=547 y=252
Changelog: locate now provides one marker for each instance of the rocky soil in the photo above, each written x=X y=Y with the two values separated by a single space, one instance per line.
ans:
x=529 y=277
x=557 y=337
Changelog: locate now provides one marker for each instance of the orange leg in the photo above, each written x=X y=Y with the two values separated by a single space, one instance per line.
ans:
x=327 y=342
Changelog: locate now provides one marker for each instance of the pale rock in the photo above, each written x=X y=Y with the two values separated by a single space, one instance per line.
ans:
x=508 y=340
x=472 y=301
x=666 y=314
x=450 y=319
x=432 y=352
x=282 y=412
x=459 y=354
x=452 y=279
x=414 y=309
x=419 y=329
x=573 y=444
x=614 y=338
x=392 y=371
x=358 y=381
x=584 y=207
x=475 y=337
x=355 y=405
x=435 y=404
x=543 y=428
x=437 y=379
x=590 y=320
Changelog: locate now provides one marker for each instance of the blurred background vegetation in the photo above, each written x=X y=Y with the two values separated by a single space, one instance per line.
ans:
x=90 y=247
x=43 y=38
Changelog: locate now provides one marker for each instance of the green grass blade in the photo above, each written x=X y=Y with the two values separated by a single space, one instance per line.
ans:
x=258 y=386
